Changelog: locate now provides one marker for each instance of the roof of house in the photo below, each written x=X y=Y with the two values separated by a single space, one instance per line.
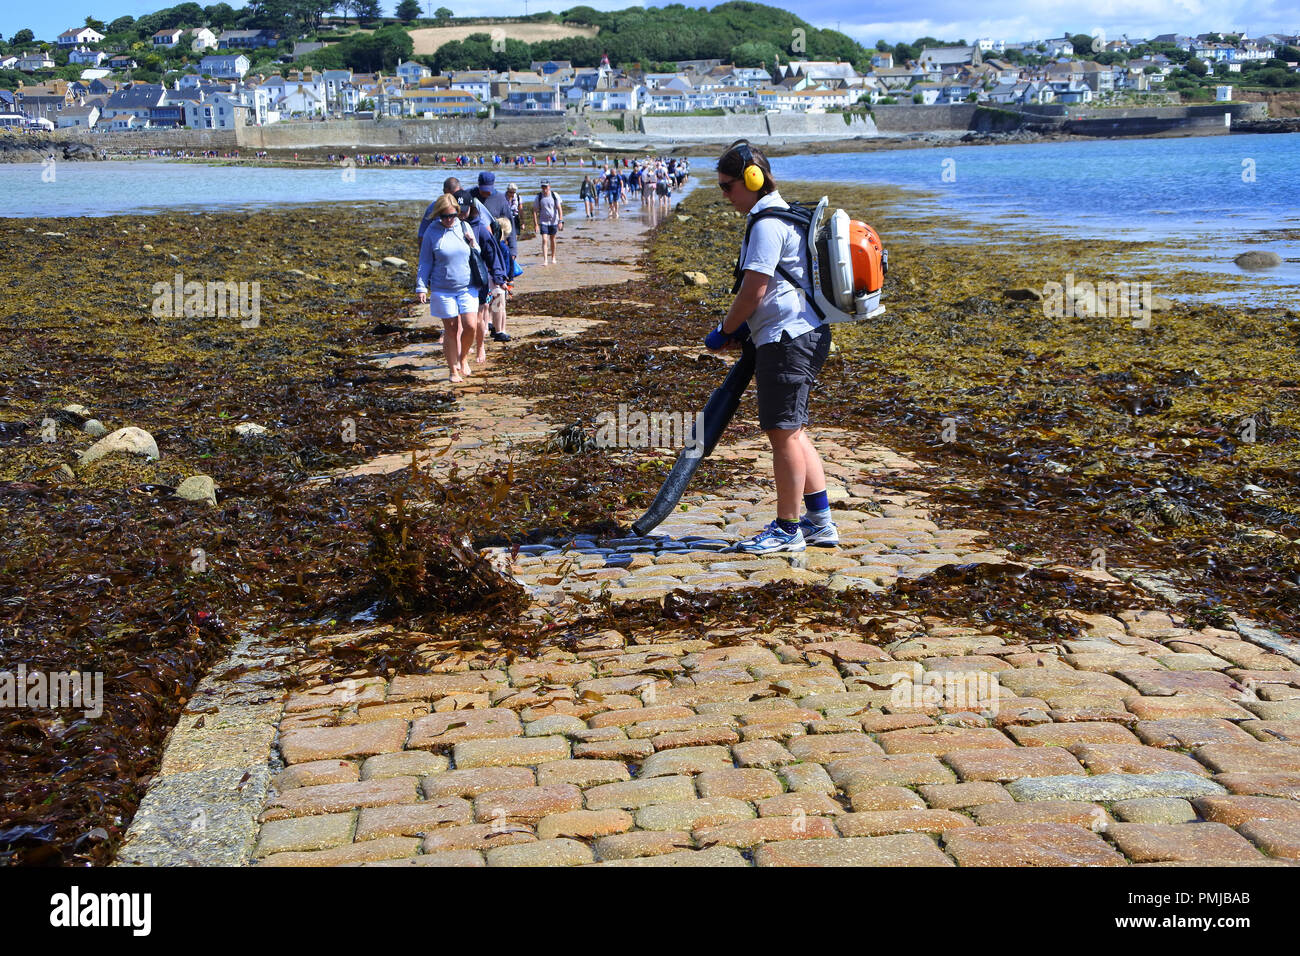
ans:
x=137 y=96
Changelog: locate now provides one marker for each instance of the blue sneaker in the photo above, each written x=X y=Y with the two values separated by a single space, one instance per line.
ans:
x=821 y=535
x=771 y=540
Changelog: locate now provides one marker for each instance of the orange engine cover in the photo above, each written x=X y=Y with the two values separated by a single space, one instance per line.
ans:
x=867 y=254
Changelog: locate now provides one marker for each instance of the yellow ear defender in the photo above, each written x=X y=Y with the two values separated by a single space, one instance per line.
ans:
x=754 y=178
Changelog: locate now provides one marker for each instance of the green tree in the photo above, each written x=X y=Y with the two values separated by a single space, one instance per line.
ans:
x=120 y=25
x=368 y=10
x=23 y=36
x=219 y=16
x=442 y=14
x=97 y=25
x=381 y=50
x=1197 y=67
x=1082 y=43
x=752 y=53
x=408 y=10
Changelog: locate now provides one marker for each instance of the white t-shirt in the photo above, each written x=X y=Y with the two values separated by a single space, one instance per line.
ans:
x=783 y=308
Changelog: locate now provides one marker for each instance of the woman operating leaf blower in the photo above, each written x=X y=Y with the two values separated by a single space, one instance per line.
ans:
x=791 y=342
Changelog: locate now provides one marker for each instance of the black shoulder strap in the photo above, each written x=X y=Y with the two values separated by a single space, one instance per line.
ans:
x=801 y=219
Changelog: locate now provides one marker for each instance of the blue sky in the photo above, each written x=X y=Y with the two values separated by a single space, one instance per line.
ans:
x=893 y=20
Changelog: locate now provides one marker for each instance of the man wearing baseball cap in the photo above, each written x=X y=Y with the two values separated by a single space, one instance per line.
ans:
x=495 y=202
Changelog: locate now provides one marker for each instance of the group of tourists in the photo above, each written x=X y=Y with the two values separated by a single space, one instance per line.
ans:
x=468 y=264
x=653 y=180
x=381 y=159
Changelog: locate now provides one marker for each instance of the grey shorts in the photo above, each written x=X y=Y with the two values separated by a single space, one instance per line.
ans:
x=784 y=372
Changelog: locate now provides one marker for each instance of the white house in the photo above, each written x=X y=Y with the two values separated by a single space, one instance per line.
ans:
x=220 y=111
x=615 y=97
x=477 y=83
x=31 y=62
x=202 y=39
x=411 y=73
x=257 y=101
x=79 y=116
x=79 y=36
x=86 y=56
x=1222 y=94
x=136 y=100
x=665 y=101
x=166 y=39
x=300 y=95
x=225 y=67
x=340 y=94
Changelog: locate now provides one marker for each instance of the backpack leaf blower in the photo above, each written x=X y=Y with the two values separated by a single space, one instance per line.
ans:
x=846 y=266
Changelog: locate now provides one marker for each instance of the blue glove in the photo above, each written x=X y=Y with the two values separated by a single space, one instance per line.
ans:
x=718 y=338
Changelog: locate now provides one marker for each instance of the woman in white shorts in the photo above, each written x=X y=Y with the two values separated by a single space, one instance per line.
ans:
x=443 y=280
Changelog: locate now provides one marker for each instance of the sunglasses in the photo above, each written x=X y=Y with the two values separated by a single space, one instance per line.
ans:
x=726 y=187
x=448 y=215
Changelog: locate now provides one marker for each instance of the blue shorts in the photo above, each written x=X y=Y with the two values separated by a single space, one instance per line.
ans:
x=450 y=305
x=550 y=230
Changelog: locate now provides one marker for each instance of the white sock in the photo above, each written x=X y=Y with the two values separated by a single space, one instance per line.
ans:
x=819 y=518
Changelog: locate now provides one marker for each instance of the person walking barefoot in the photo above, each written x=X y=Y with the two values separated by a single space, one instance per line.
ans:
x=443 y=281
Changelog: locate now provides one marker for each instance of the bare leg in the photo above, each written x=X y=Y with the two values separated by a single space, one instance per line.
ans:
x=499 y=313
x=480 y=331
x=467 y=325
x=797 y=468
x=451 y=347
x=814 y=474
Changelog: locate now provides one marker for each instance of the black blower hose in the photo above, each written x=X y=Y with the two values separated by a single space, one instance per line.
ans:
x=719 y=409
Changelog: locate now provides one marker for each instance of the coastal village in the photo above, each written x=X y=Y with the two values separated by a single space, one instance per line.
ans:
x=210 y=82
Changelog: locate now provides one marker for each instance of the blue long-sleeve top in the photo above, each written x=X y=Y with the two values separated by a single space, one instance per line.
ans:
x=491 y=252
x=444 y=259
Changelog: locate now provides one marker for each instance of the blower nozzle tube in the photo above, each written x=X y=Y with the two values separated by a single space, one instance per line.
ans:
x=717 y=414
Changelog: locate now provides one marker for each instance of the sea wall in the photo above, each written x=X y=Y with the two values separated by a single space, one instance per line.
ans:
x=499 y=133
x=758 y=126
x=152 y=138
x=903 y=118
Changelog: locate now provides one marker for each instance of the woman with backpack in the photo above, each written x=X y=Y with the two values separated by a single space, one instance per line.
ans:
x=587 y=193
x=443 y=281
x=791 y=344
